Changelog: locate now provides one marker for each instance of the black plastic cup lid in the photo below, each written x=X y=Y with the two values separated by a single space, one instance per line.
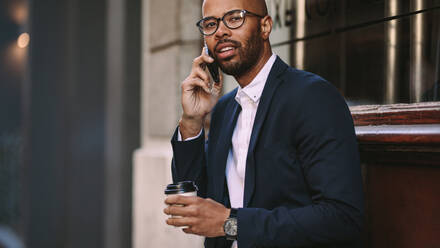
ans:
x=181 y=187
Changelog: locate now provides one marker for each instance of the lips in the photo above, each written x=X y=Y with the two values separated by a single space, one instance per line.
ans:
x=225 y=50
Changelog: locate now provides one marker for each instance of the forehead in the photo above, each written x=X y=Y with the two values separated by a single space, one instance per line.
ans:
x=220 y=7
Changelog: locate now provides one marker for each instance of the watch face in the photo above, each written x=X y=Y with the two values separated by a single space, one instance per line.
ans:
x=231 y=227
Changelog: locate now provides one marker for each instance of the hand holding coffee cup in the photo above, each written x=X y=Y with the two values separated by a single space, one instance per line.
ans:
x=195 y=215
x=185 y=188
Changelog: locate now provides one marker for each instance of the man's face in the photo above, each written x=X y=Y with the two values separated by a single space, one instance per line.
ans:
x=236 y=50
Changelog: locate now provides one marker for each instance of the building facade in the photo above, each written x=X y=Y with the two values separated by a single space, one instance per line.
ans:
x=374 y=51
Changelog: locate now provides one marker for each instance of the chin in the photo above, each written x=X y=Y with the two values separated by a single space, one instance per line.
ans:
x=228 y=68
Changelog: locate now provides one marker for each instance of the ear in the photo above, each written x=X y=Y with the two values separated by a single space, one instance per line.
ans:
x=266 y=27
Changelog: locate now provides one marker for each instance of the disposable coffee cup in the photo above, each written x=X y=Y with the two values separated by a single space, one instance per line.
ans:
x=185 y=188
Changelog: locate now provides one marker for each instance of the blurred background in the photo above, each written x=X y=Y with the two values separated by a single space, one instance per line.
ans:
x=69 y=120
x=89 y=98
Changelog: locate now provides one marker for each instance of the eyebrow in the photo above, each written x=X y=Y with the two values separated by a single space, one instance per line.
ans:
x=223 y=13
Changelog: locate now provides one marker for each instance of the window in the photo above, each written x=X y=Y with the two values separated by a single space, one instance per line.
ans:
x=374 y=51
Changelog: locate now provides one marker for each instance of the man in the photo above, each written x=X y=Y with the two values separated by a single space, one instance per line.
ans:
x=280 y=165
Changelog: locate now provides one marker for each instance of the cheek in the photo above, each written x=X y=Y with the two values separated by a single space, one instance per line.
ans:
x=243 y=34
x=249 y=35
x=210 y=41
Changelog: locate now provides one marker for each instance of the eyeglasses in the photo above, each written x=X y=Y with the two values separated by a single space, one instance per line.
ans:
x=232 y=19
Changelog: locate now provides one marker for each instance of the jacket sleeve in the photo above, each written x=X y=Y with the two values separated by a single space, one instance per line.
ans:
x=189 y=162
x=328 y=153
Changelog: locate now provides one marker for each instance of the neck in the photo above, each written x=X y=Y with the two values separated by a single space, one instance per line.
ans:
x=246 y=78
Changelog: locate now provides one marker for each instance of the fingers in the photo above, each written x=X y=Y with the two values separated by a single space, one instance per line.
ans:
x=182 y=206
x=204 y=53
x=202 y=60
x=217 y=87
x=180 y=199
x=200 y=73
x=198 y=76
x=179 y=210
x=191 y=230
x=185 y=221
x=196 y=82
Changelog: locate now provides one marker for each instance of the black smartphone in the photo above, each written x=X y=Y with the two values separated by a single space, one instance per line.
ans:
x=213 y=67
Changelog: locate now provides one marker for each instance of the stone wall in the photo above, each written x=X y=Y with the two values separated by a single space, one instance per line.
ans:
x=170 y=42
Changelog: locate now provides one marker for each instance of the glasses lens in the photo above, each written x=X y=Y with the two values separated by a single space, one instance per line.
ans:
x=234 y=19
x=208 y=26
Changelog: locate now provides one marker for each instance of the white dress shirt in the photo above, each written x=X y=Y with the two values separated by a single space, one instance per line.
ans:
x=248 y=98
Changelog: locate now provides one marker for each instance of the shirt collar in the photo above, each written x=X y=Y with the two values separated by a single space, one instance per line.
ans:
x=255 y=88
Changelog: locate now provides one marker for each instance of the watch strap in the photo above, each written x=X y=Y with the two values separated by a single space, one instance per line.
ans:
x=233 y=213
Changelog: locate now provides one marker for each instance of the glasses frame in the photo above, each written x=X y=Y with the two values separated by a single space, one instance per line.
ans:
x=243 y=11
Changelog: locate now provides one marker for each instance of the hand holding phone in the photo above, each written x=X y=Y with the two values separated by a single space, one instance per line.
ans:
x=212 y=67
x=199 y=94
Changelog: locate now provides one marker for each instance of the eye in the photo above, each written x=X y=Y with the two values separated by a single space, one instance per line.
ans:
x=209 y=24
x=235 y=18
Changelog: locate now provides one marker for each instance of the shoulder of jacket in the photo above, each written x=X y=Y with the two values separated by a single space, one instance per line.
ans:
x=303 y=80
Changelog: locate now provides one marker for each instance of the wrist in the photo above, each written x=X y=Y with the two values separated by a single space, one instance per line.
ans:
x=190 y=126
x=225 y=218
x=230 y=227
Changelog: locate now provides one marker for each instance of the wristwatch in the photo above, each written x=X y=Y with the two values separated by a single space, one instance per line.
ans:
x=230 y=226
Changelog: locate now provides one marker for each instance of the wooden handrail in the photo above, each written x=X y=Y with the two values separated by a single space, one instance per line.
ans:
x=396 y=114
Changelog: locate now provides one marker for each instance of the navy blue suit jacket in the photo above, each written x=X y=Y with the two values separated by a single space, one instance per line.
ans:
x=303 y=184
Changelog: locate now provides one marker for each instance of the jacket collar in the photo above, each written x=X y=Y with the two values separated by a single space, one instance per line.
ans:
x=255 y=88
x=224 y=143
x=273 y=81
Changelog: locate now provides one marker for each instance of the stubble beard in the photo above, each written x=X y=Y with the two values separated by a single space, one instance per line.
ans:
x=248 y=57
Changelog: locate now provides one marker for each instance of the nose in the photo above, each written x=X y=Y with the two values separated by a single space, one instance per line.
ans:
x=222 y=31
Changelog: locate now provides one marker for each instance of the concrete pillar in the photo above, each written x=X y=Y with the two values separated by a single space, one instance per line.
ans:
x=170 y=41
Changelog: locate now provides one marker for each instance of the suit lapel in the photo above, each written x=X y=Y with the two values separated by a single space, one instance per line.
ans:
x=224 y=144
x=271 y=85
